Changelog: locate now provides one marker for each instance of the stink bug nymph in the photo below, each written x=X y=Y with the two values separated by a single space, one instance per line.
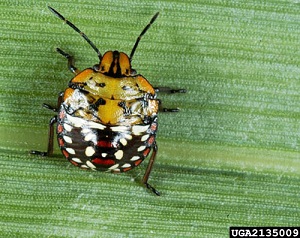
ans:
x=107 y=117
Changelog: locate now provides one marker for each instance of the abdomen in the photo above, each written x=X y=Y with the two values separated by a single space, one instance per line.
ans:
x=92 y=145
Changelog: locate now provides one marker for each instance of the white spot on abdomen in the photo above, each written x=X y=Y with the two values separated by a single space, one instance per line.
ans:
x=95 y=125
x=141 y=148
x=89 y=151
x=119 y=154
x=145 y=137
x=86 y=130
x=126 y=165
x=89 y=163
x=123 y=141
x=67 y=139
x=104 y=155
x=77 y=160
x=138 y=129
x=119 y=128
x=128 y=136
x=80 y=122
x=90 y=137
x=71 y=151
x=134 y=158
x=114 y=166
x=76 y=121
x=67 y=127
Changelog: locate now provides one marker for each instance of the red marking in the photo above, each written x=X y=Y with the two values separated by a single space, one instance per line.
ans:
x=107 y=162
x=151 y=140
x=73 y=162
x=146 y=152
x=105 y=144
x=66 y=154
x=153 y=127
x=62 y=114
x=59 y=128
x=60 y=142
x=126 y=169
x=138 y=162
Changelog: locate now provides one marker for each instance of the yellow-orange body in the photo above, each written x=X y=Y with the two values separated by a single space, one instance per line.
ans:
x=107 y=117
x=123 y=100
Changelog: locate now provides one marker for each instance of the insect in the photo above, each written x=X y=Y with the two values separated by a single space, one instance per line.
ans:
x=107 y=116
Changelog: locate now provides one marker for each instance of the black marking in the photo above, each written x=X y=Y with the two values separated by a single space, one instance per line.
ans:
x=115 y=68
x=76 y=85
x=126 y=88
x=149 y=96
x=96 y=67
x=147 y=120
x=99 y=102
x=122 y=104
x=144 y=101
x=69 y=109
x=79 y=86
x=102 y=85
x=138 y=87
x=127 y=110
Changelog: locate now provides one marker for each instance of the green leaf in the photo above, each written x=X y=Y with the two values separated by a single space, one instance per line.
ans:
x=230 y=157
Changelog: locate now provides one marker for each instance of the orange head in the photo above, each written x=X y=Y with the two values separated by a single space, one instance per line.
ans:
x=115 y=64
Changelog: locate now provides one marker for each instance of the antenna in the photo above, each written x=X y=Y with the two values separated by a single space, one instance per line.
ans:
x=56 y=13
x=140 y=36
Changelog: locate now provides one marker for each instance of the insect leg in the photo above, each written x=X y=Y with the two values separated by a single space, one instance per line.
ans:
x=70 y=59
x=59 y=102
x=168 y=90
x=49 y=151
x=148 y=170
x=163 y=109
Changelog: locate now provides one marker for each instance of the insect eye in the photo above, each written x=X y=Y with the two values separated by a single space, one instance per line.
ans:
x=96 y=67
x=133 y=72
